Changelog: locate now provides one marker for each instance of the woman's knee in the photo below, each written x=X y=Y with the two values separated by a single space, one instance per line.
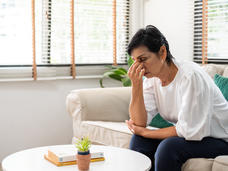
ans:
x=141 y=144
x=136 y=142
x=168 y=147
x=168 y=152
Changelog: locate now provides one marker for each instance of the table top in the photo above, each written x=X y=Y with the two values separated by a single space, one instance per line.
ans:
x=115 y=159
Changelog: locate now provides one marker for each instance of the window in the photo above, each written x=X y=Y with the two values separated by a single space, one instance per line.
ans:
x=15 y=32
x=94 y=31
x=100 y=34
x=211 y=31
x=53 y=33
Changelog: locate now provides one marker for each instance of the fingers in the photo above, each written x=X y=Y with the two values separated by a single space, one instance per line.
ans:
x=135 y=71
x=137 y=130
x=142 y=73
x=133 y=67
x=130 y=125
x=139 y=69
x=131 y=121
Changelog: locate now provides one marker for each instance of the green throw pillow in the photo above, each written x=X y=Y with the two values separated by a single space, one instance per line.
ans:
x=159 y=122
x=222 y=83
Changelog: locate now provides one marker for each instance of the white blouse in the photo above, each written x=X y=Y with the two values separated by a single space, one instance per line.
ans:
x=191 y=101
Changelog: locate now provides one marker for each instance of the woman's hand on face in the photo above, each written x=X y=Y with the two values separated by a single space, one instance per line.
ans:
x=138 y=130
x=136 y=72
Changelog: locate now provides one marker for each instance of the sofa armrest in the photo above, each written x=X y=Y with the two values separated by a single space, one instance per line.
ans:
x=99 y=104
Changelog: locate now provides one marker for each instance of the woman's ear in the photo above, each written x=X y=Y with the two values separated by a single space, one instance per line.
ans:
x=163 y=53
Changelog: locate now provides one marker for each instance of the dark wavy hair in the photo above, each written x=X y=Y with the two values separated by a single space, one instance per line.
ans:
x=152 y=38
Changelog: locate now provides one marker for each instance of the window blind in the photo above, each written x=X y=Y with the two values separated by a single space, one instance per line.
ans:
x=59 y=33
x=211 y=31
x=101 y=31
x=53 y=38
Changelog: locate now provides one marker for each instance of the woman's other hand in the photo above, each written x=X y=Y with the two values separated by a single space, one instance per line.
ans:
x=138 y=130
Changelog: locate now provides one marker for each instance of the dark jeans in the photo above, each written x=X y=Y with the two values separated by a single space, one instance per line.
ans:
x=171 y=153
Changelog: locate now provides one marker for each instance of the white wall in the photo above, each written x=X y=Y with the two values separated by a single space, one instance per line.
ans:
x=33 y=113
x=174 y=18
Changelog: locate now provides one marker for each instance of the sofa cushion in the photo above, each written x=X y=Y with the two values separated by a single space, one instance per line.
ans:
x=107 y=133
x=220 y=163
x=222 y=83
x=197 y=164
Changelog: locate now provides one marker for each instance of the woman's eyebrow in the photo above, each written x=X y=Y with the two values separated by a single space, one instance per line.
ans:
x=140 y=56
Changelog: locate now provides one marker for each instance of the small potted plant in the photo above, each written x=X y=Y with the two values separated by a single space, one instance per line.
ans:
x=83 y=155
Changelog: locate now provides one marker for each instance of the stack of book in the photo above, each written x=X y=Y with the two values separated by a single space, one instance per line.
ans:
x=67 y=156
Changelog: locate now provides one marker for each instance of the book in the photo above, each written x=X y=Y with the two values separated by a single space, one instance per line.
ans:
x=67 y=154
x=70 y=162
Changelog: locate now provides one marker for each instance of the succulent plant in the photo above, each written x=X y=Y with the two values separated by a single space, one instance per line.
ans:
x=83 y=144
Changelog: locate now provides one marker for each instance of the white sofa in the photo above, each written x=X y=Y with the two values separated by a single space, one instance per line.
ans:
x=100 y=114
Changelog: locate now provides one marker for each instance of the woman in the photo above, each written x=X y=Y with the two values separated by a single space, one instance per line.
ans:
x=183 y=94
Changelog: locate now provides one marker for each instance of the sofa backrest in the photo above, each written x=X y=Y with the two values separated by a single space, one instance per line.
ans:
x=114 y=103
x=213 y=69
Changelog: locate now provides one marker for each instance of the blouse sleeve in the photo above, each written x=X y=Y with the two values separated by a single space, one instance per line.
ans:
x=193 y=117
x=149 y=100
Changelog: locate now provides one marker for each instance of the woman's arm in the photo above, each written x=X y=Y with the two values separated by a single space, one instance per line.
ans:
x=137 y=107
x=160 y=133
x=154 y=134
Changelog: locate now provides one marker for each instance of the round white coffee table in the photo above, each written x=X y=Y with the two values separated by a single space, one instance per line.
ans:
x=116 y=159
